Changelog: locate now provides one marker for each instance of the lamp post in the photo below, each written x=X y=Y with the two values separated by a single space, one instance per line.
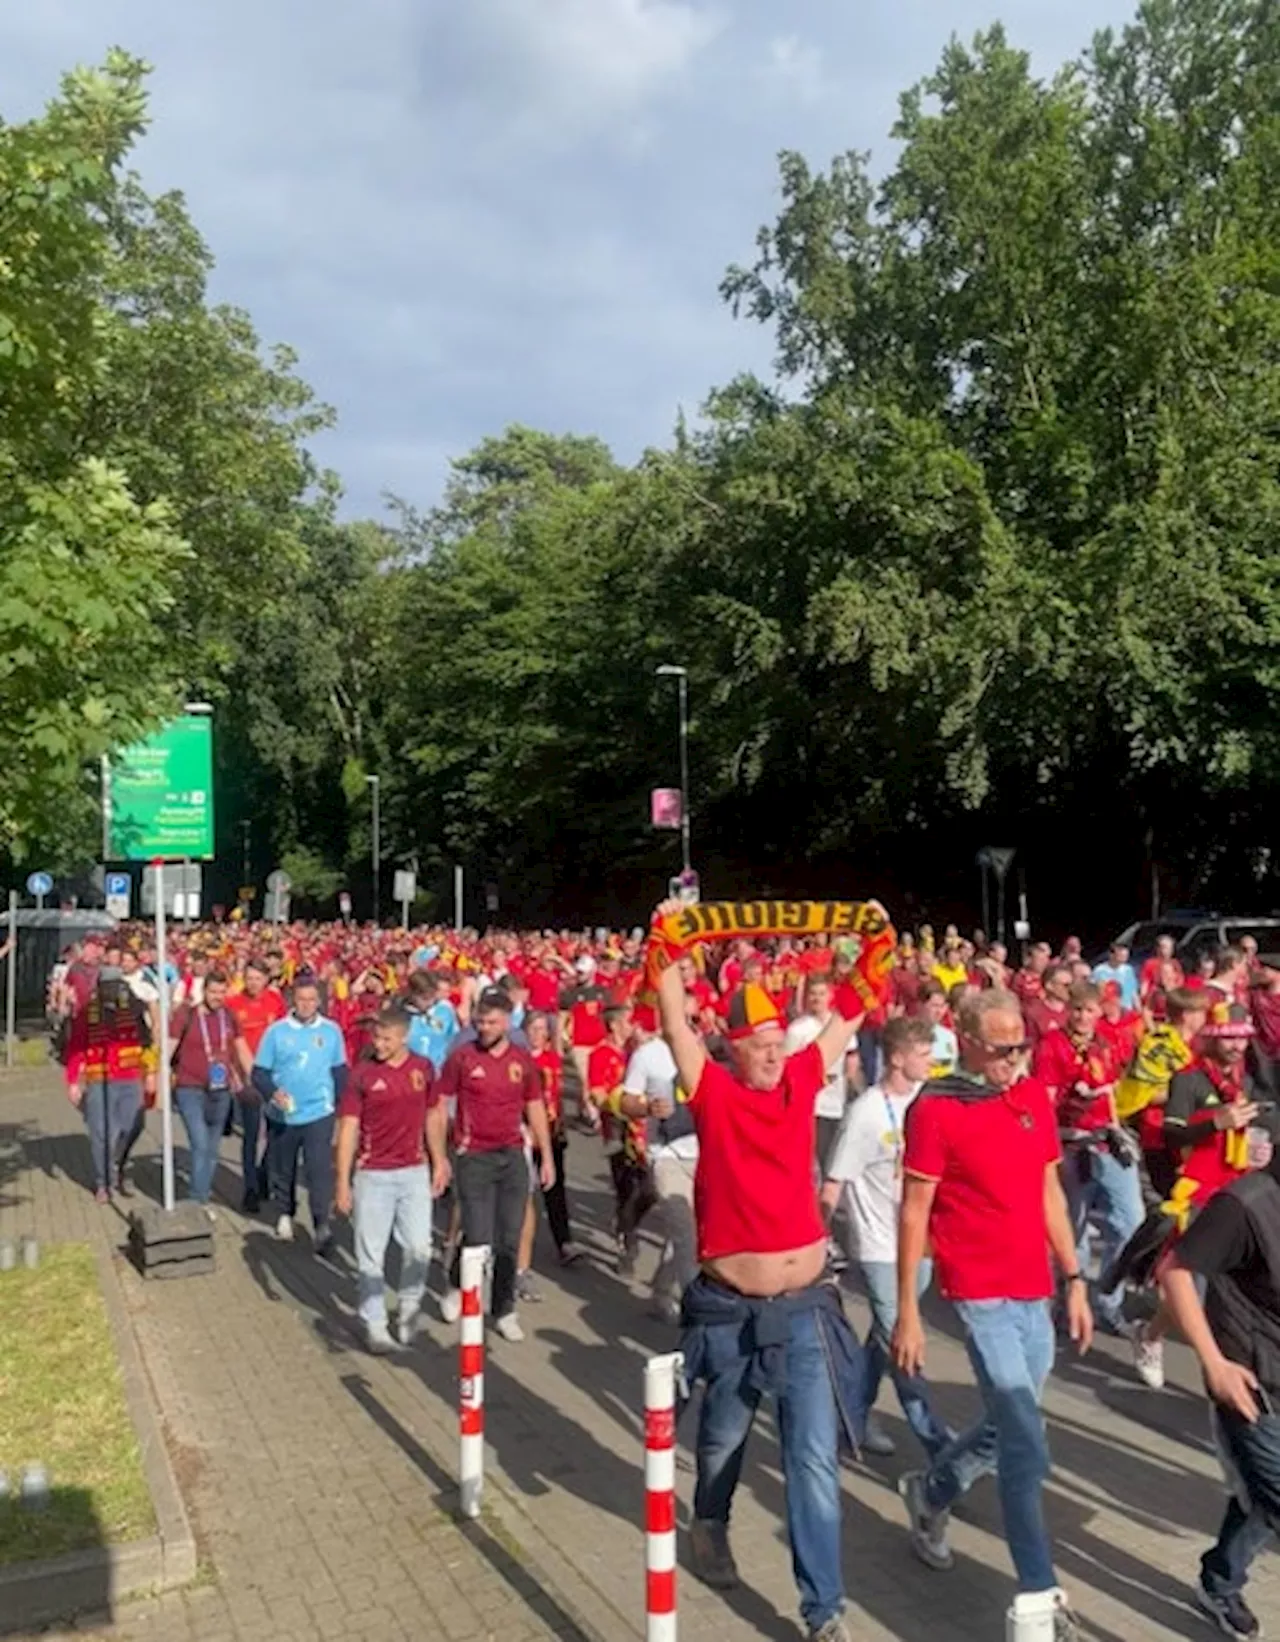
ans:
x=681 y=676
x=375 y=787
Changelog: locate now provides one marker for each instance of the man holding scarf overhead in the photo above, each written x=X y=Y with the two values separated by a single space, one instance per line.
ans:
x=759 y=1316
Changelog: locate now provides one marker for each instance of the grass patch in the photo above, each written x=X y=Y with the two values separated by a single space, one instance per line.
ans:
x=62 y=1403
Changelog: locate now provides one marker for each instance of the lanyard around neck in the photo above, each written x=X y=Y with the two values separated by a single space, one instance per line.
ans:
x=202 y=1015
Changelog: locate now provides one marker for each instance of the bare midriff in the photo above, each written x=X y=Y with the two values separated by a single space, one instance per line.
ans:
x=764 y=1276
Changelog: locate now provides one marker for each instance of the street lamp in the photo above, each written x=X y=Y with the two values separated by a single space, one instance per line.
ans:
x=375 y=785
x=681 y=676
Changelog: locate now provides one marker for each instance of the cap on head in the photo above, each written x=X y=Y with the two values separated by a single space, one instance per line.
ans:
x=751 y=1010
x=1228 y=1020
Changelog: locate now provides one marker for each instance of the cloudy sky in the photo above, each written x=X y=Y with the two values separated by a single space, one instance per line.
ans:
x=466 y=213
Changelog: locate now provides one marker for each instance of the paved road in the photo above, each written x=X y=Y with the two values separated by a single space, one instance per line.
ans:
x=321 y=1481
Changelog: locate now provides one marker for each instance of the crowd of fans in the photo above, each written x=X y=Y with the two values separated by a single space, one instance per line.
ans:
x=390 y=1071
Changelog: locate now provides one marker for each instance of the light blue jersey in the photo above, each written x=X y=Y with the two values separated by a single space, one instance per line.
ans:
x=433 y=1032
x=1125 y=979
x=302 y=1058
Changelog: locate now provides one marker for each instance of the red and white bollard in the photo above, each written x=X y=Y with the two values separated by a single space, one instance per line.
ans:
x=660 y=1374
x=471 y=1381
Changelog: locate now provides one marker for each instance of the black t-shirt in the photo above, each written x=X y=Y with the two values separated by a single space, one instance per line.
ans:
x=1225 y=1244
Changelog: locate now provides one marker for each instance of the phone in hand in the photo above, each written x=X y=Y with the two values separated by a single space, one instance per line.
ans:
x=1264 y=1400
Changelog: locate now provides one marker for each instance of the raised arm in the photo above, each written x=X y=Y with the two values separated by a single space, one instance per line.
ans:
x=685 y=1044
x=837 y=1037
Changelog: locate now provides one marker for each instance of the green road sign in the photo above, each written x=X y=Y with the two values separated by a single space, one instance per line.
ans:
x=162 y=795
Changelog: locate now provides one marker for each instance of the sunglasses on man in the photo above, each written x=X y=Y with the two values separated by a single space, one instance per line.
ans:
x=1002 y=1051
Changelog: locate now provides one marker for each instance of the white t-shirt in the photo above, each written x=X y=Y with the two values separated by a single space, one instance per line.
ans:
x=651 y=1071
x=834 y=1097
x=867 y=1159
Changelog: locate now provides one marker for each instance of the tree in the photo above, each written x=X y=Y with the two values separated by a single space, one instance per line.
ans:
x=154 y=477
x=85 y=566
x=310 y=876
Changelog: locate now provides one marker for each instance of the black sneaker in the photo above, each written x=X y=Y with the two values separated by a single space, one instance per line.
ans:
x=1231 y=1614
x=250 y=1203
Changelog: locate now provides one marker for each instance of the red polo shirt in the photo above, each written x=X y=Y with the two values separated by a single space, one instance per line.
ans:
x=753 y=1192
x=491 y=1091
x=988 y=1156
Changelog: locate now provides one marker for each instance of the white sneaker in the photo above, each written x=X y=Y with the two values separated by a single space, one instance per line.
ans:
x=1148 y=1359
x=377 y=1339
x=407 y=1326
x=284 y=1229
x=451 y=1305
x=509 y=1328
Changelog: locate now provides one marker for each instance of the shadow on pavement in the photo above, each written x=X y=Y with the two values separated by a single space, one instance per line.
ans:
x=514 y=1574
x=541 y=1448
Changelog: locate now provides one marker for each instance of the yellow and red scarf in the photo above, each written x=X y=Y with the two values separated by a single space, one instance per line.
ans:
x=866 y=922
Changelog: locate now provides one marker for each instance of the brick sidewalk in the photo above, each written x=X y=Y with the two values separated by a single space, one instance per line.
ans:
x=321 y=1481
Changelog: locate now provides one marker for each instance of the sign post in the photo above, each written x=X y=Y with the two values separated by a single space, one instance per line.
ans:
x=279 y=884
x=998 y=861
x=406 y=887
x=162 y=795
x=160 y=810
x=457 y=899
x=11 y=995
x=164 y=1091
x=39 y=884
x=119 y=888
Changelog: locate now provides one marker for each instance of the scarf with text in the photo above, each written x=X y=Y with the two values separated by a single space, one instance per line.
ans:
x=865 y=922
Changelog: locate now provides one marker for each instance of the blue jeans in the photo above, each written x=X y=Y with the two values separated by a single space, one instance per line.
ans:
x=1010 y=1344
x=204 y=1116
x=881 y=1280
x=1252 y=1457
x=1112 y=1198
x=808 y=1431
x=110 y=1109
x=388 y=1201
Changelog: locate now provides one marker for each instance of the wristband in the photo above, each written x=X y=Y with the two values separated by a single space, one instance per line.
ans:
x=1073 y=1277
